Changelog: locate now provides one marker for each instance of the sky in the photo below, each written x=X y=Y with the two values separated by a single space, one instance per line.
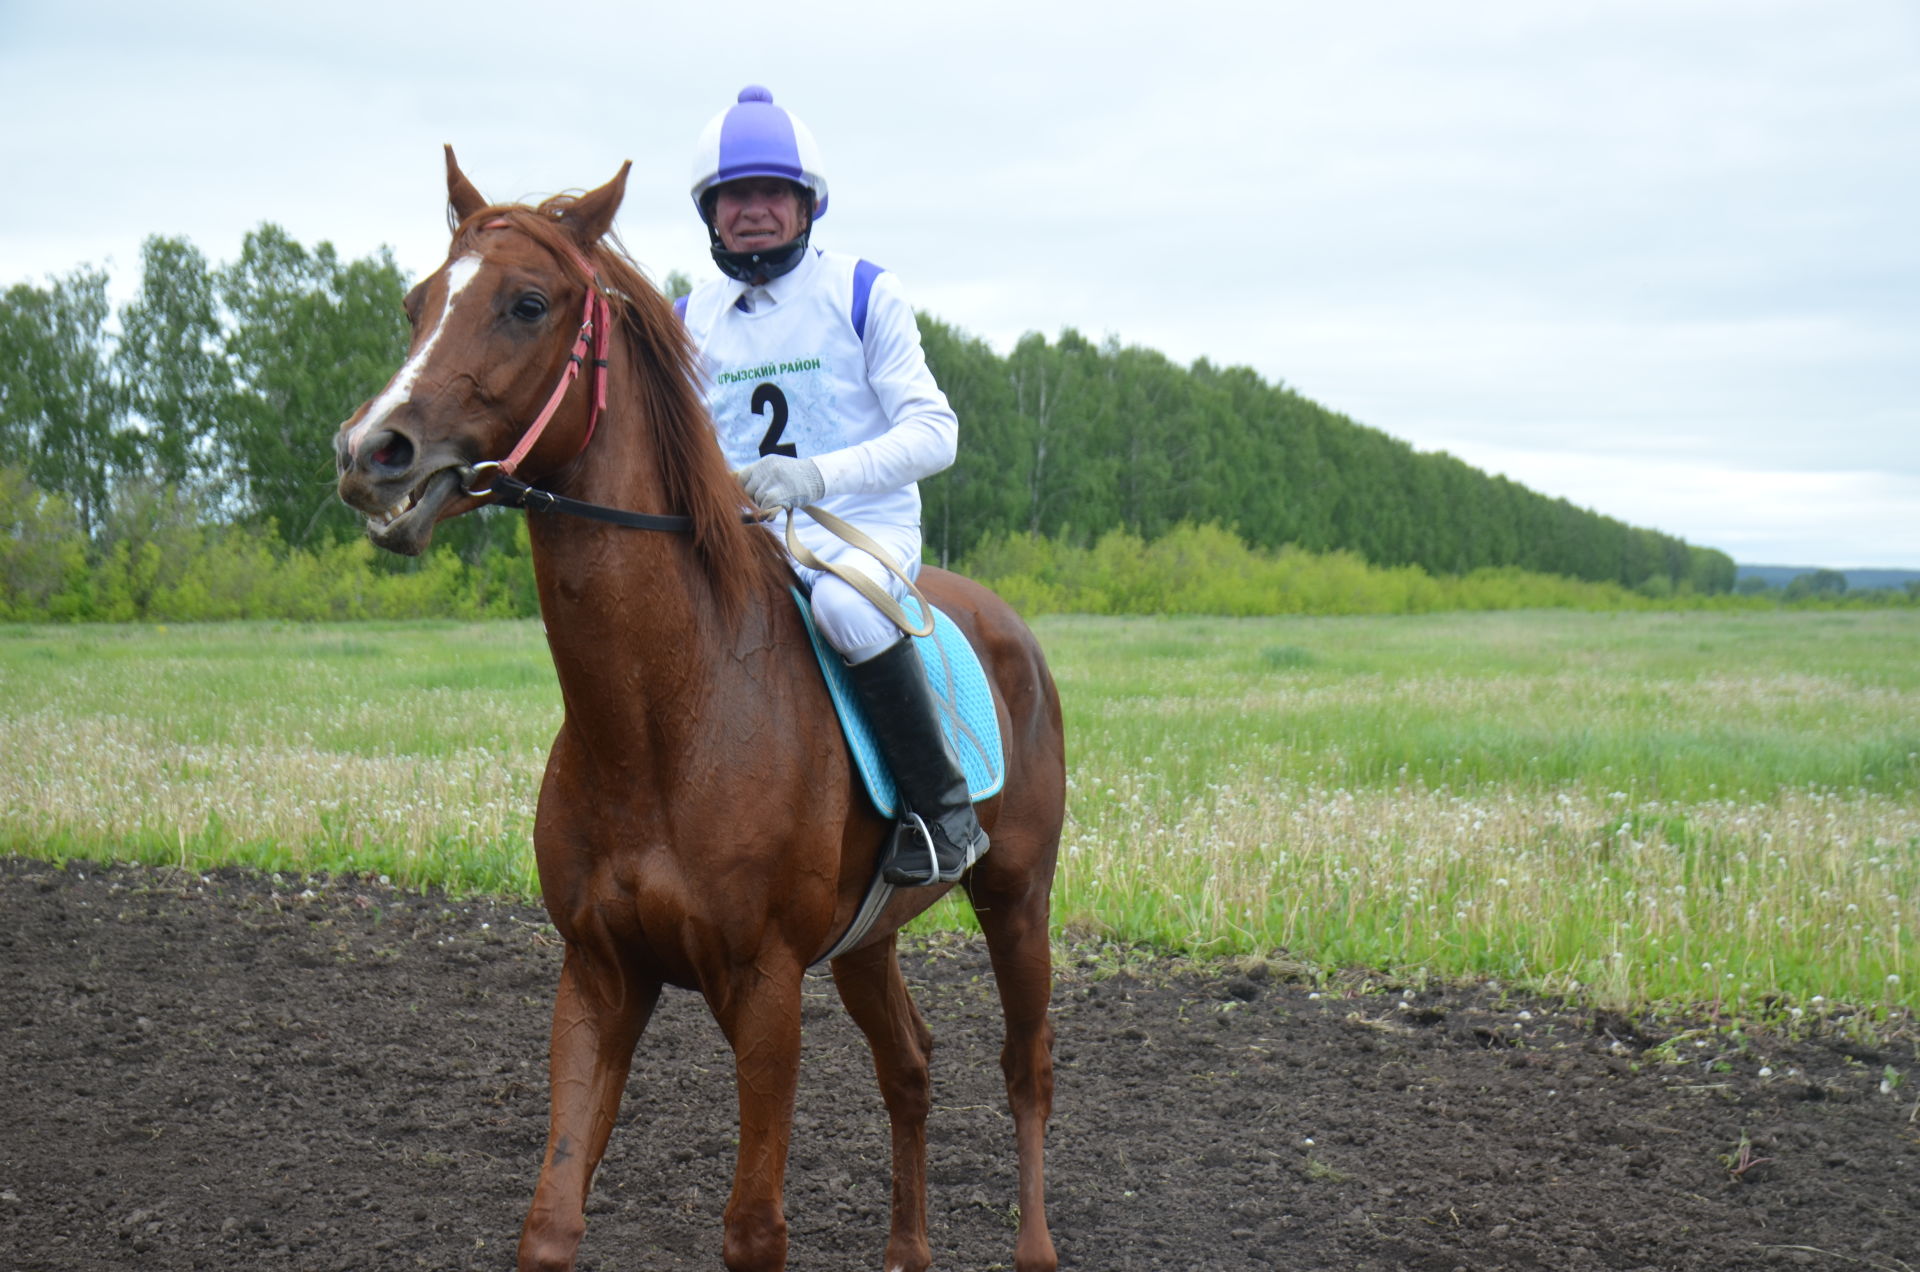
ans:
x=1658 y=258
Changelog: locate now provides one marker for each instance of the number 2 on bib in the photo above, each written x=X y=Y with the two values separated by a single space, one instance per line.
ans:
x=769 y=395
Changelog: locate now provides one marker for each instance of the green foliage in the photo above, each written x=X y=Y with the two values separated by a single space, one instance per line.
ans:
x=59 y=410
x=224 y=383
x=160 y=558
x=1816 y=583
x=1208 y=570
x=310 y=338
x=1090 y=476
x=170 y=359
x=43 y=556
x=1072 y=439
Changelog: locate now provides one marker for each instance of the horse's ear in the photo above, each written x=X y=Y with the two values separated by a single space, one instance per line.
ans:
x=461 y=196
x=591 y=215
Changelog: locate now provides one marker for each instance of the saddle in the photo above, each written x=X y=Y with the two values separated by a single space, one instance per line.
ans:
x=960 y=687
x=966 y=715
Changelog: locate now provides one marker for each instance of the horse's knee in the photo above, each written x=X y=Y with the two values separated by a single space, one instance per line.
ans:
x=908 y=1094
x=756 y=1239
x=1028 y=1053
x=907 y=1085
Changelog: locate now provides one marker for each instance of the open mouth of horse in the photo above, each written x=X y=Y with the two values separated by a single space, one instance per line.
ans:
x=406 y=527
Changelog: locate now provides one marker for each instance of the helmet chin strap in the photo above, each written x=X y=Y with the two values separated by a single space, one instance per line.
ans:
x=756 y=268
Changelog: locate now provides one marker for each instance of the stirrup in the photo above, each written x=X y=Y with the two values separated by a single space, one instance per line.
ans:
x=899 y=870
x=903 y=868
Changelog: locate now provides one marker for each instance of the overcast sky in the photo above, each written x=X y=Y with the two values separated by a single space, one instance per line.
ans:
x=1659 y=258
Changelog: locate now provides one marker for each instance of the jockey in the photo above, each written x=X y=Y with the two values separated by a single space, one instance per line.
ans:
x=821 y=396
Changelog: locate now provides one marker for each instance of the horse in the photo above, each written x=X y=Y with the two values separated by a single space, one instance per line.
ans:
x=700 y=823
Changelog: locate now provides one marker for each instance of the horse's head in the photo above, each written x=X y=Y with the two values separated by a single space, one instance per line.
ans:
x=494 y=329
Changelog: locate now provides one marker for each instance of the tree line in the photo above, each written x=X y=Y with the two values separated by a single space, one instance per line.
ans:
x=209 y=402
x=1067 y=438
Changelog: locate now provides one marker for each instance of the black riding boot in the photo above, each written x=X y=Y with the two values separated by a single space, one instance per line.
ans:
x=938 y=836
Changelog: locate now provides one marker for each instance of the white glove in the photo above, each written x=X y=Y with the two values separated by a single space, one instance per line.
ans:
x=775 y=481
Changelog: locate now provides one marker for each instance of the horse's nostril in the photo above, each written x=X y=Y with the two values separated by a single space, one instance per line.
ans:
x=394 y=452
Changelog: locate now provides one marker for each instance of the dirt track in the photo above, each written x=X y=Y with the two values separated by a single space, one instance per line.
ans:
x=228 y=1072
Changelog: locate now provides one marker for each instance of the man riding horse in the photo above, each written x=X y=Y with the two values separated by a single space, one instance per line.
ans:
x=822 y=398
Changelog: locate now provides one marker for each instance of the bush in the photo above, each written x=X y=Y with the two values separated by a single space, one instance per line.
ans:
x=160 y=559
x=1205 y=569
x=43 y=556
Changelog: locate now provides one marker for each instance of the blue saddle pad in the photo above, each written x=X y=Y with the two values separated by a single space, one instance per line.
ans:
x=959 y=686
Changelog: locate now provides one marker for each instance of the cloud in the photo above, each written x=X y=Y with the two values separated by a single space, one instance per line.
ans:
x=1672 y=233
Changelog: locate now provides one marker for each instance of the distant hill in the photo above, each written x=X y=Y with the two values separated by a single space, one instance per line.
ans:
x=1072 y=439
x=1857 y=580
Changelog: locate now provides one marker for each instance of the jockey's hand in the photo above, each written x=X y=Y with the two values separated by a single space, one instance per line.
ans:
x=775 y=481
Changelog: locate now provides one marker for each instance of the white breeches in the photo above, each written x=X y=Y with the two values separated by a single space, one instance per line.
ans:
x=847 y=619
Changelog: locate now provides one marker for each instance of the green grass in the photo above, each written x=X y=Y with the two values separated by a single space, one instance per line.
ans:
x=412 y=750
x=1700 y=809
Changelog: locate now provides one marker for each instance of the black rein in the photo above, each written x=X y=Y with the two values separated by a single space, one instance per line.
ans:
x=511 y=492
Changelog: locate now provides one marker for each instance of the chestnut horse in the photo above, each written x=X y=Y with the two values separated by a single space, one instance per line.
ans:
x=700 y=823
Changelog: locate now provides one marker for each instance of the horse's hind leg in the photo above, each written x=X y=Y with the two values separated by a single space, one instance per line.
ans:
x=1013 y=906
x=597 y=1018
x=876 y=996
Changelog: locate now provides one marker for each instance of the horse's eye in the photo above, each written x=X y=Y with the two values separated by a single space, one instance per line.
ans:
x=530 y=308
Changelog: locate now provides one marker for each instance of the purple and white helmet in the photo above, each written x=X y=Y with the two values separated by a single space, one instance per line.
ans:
x=755 y=138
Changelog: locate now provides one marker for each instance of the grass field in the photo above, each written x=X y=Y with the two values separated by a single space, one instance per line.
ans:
x=1697 y=809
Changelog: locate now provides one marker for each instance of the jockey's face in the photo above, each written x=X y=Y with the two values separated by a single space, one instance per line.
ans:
x=756 y=213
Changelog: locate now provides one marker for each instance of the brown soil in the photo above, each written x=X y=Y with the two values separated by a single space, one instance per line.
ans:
x=231 y=1071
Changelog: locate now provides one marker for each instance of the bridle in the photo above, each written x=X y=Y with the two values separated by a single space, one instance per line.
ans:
x=592 y=346
x=595 y=323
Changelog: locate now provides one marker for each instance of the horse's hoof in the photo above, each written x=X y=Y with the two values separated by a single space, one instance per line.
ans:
x=909 y=1256
x=549 y=1251
x=1036 y=1256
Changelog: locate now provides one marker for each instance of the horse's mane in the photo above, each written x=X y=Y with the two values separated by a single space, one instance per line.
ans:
x=694 y=472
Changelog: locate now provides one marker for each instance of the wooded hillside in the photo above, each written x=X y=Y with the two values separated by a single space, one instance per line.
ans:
x=1072 y=438
x=223 y=385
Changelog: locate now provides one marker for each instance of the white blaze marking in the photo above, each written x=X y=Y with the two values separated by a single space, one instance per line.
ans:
x=400 y=388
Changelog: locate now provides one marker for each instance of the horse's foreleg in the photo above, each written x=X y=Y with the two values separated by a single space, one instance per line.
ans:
x=759 y=1012
x=597 y=1018
x=876 y=996
x=1016 y=930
